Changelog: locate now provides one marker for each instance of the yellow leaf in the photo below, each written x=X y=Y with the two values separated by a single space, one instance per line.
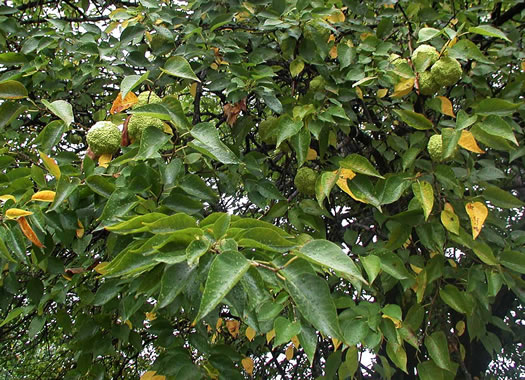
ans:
x=100 y=268
x=415 y=268
x=193 y=89
x=403 y=87
x=214 y=66
x=80 y=229
x=152 y=375
x=28 y=232
x=448 y=207
x=104 y=160
x=50 y=164
x=6 y=197
x=446 y=106
x=129 y=324
x=311 y=155
x=295 y=342
x=331 y=38
x=460 y=327
x=336 y=16
x=150 y=316
x=120 y=104
x=218 y=324
x=381 y=93
x=14 y=213
x=270 y=335
x=289 y=352
x=233 y=327
x=333 y=52
x=44 y=196
x=468 y=142
x=247 y=364
x=359 y=93
x=250 y=333
x=337 y=343
x=396 y=321
x=477 y=212
x=522 y=65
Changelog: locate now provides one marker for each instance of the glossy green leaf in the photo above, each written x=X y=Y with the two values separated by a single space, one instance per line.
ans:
x=130 y=82
x=456 y=299
x=514 y=260
x=173 y=282
x=414 y=119
x=208 y=139
x=488 y=30
x=437 y=346
x=496 y=106
x=501 y=198
x=359 y=164
x=397 y=354
x=285 y=330
x=286 y=128
x=178 y=67
x=135 y=224
x=62 y=109
x=153 y=139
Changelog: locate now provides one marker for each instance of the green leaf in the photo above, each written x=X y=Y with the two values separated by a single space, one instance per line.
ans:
x=330 y=255
x=301 y=143
x=11 y=58
x=372 y=265
x=4 y=252
x=496 y=106
x=287 y=127
x=221 y=225
x=65 y=188
x=170 y=224
x=514 y=260
x=156 y=110
x=196 y=249
x=62 y=109
x=264 y=238
x=393 y=265
x=15 y=313
x=496 y=126
x=424 y=193
x=173 y=282
x=489 y=31
x=153 y=139
x=118 y=204
x=359 y=164
x=364 y=191
x=12 y=89
x=455 y=299
x=426 y=34
x=323 y=186
x=414 y=119
x=428 y=370
x=135 y=224
x=225 y=272
x=100 y=185
x=208 y=137
x=285 y=330
x=308 y=340
x=50 y=136
x=296 y=66
x=450 y=141
x=437 y=347
x=397 y=354
x=467 y=50
x=501 y=198
x=195 y=186
x=463 y=120
x=179 y=67
x=313 y=299
x=9 y=111
x=130 y=82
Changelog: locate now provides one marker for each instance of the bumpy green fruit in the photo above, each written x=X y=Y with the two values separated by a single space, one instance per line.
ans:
x=304 y=180
x=146 y=97
x=435 y=147
x=427 y=84
x=104 y=138
x=138 y=123
x=424 y=57
x=268 y=131
x=447 y=71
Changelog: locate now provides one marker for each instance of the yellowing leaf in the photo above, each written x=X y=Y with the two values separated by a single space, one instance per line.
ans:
x=345 y=174
x=396 y=321
x=247 y=364
x=460 y=327
x=44 y=196
x=333 y=52
x=129 y=324
x=403 y=87
x=448 y=207
x=104 y=160
x=523 y=65
x=80 y=229
x=416 y=269
x=468 y=142
x=450 y=221
x=152 y=375
x=214 y=66
x=359 y=93
x=233 y=327
x=120 y=104
x=28 y=232
x=193 y=89
x=250 y=333
x=289 y=352
x=6 y=197
x=336 y=16
x=150 y=316
x=477 y=212
x=311 y=155
x=51 y=165
x=270 y=335
x=337 y=343
x=14 y=213
x=296 y=342
x=446 y=106
x=101 y=267
x=381 y=93
x=331 y=38
x=218 y=324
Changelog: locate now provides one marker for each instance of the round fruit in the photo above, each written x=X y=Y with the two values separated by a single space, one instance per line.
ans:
x=424 y=57
x=104 y=138
x=447 y=71
x=435 y=147
x=304 y=180
x=146 y=97
x=138 y=123
x=427 y=84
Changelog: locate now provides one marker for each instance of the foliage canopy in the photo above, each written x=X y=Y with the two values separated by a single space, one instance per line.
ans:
x=190 y=252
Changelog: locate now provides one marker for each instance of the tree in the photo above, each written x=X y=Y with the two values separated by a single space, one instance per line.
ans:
x=198 y=251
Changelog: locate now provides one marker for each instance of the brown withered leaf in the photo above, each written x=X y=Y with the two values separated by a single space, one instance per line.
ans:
x=120 y=104
x=232 y=111
x=28 y=231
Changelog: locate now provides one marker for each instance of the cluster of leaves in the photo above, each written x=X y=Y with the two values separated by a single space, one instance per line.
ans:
x=190 y=253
